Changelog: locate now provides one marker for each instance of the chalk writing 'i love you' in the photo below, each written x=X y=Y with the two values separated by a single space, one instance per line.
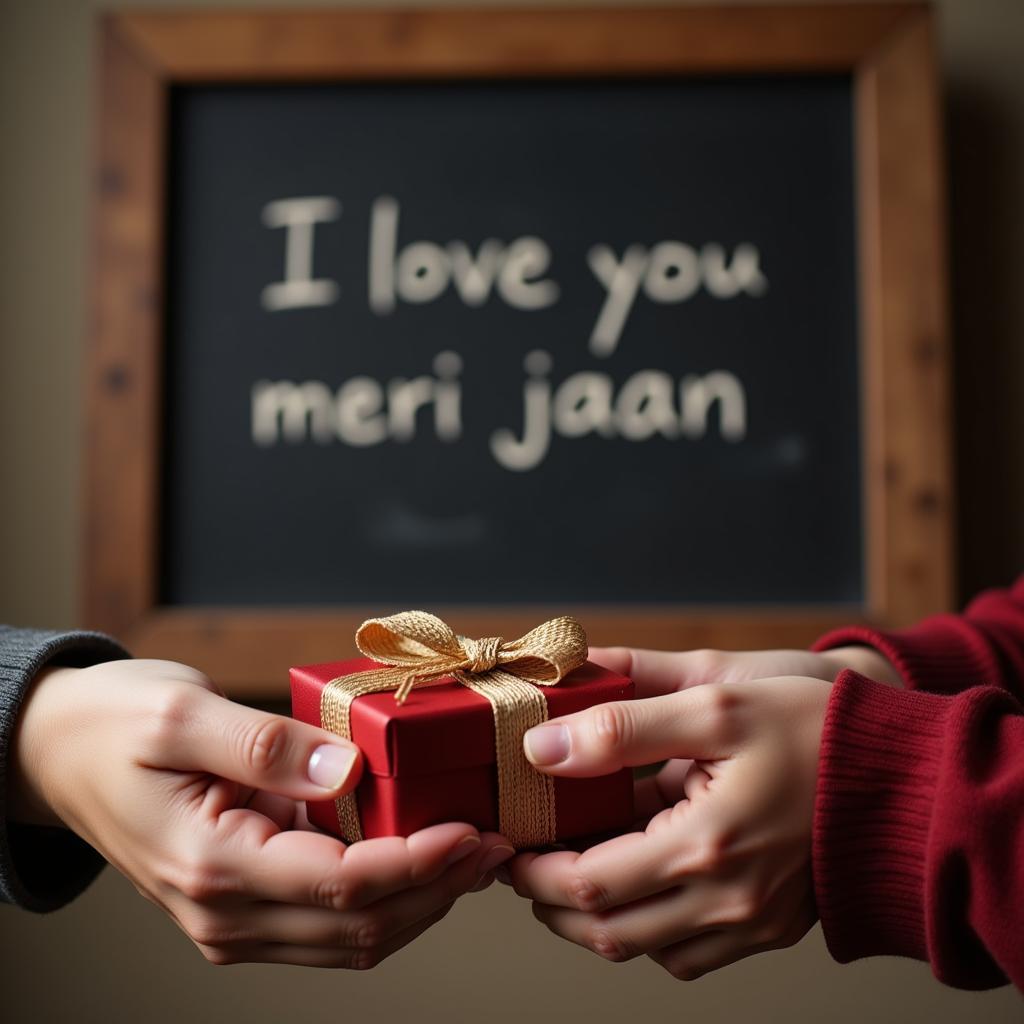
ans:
x=363 y=412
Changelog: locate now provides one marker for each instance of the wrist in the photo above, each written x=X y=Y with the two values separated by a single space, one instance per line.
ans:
x=35 y=747
x=867 y=661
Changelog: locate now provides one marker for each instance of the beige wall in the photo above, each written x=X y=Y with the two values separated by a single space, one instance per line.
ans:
x=111 y=956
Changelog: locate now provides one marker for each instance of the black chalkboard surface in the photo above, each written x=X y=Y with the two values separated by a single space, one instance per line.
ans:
x=527 y=342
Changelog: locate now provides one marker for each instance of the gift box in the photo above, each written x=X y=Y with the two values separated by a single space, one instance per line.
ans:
x=434 y=757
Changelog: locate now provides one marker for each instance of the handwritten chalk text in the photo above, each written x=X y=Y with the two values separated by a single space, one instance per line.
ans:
x=363 y=411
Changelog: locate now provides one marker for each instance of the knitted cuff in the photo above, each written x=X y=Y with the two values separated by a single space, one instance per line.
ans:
x=41 y=869
x=878 y=769
x=943 y=654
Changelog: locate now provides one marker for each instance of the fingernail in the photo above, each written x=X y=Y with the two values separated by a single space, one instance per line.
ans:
x=547 y=744
x=494 y=857
x=462 y=849
x=329 y=765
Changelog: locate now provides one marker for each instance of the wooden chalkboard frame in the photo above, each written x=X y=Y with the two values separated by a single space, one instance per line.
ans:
x=890 y=51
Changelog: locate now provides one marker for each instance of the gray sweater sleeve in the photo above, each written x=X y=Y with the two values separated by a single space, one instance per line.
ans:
x=41 y=869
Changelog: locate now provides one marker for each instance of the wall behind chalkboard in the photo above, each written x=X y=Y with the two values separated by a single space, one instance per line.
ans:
x=588 y=341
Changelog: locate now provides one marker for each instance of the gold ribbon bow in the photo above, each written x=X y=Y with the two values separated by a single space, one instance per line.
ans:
x=420 y=648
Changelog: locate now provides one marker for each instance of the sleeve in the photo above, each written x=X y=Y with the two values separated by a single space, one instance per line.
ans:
x=918 y=846
x=41 y=869
x=950 y=653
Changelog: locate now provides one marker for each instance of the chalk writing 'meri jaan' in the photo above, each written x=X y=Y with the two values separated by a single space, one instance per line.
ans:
x=364 y=411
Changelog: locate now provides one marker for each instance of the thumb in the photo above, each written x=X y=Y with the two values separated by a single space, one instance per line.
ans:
x=694 y=724
x=201 y=731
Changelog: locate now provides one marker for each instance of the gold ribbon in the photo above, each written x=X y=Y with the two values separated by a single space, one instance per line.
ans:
x=419 y=648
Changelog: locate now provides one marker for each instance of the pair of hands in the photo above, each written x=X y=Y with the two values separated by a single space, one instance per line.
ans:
x=199 y=802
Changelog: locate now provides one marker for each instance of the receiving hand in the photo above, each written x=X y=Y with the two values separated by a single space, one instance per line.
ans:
x=199 y=802
x=723 y=866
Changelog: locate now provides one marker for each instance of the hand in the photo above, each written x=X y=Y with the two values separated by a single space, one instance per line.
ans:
x=694 y=668
x=723 y=867
x=198 y=801
x=659 y=672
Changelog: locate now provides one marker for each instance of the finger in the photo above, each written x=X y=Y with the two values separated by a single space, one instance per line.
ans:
x=314 y=869
x=302 y=820
x=345 y=958
x=630 y=931
x=604 y=738
x=279 y=809
x=708 y=951
x=619 y=871
x=380 y=867
x=616 y=659
x=658 y=672
x=694 y=957
x=663 y=789
x=199 y=731
x=365 y=928
x=653 y=672
x=647 y=798
x=696 y=784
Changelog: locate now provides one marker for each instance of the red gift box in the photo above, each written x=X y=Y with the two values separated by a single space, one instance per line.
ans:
x=432 y=759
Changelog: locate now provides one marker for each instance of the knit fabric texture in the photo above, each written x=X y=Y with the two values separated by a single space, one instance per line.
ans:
x=41 y=869
x=919 y=824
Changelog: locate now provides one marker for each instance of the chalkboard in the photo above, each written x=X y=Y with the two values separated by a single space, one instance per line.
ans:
x=637 y=315
x=537 y=341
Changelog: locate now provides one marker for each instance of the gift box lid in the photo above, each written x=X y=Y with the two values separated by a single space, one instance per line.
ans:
x=442 y=726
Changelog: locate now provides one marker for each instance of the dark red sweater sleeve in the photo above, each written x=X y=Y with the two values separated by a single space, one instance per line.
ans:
x=919 y=822
x=950 y=653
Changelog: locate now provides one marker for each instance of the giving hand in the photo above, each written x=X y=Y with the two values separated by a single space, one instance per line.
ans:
x=198 y=801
